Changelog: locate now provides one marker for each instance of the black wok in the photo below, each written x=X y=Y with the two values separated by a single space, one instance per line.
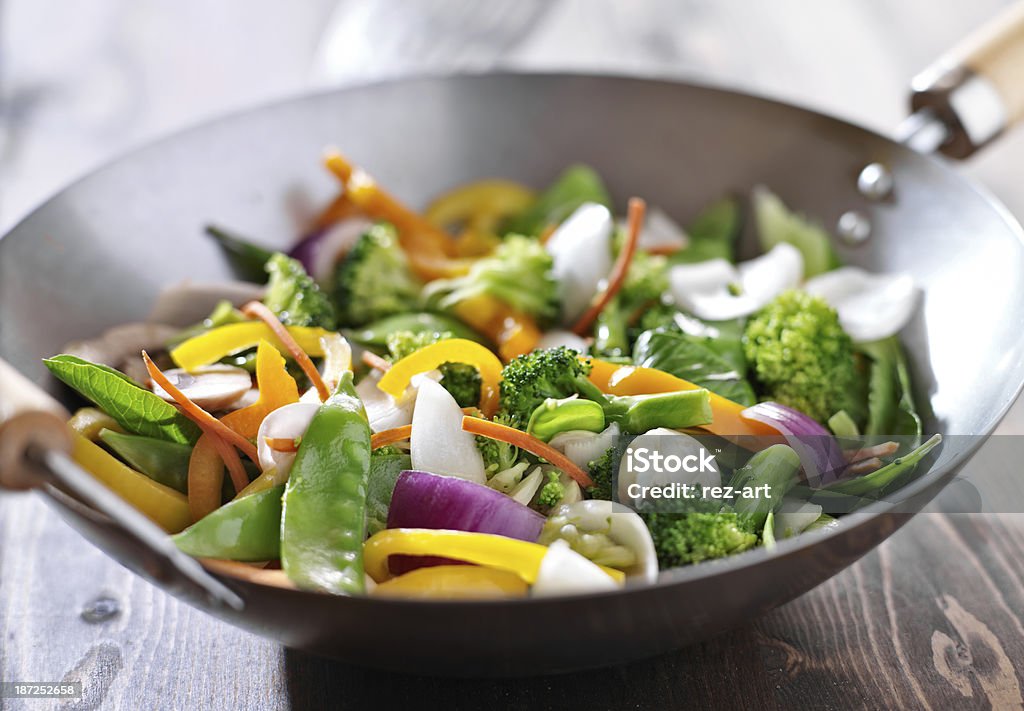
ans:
x=98 y=253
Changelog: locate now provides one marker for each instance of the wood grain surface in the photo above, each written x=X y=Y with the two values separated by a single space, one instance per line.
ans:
x=932 y=619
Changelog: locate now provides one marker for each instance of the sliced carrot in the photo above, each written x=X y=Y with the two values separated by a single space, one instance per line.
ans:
x=637 y=208
x=282 y=444
x=259 y=310
x=376 y=362
x=504 y=433
x=201 y=417
x=386 y=437
x=239 y=478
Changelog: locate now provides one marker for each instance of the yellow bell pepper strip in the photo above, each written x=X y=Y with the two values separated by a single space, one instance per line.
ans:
x=217 y=343
x=453 y=582
x=428 y=247
x=454 y=350
x=480 y=208
x=88 y=421
x=727 y=420
x=485 y=549
x=267 y=480
x=256 y=309
x=513 y=332
x=341 y=208
x=164 y=506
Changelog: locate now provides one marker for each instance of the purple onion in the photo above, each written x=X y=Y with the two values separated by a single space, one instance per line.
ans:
x=819 y=452
x=321 y=251
x=424 y=500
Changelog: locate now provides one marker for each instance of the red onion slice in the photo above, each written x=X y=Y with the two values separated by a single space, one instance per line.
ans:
x=424 y=500
x=819 y=451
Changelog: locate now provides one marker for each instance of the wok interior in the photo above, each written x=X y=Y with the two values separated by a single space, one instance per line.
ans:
x=97 y=254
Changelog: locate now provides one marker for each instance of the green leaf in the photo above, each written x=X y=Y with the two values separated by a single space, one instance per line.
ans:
x=134 y=408
x=246 y=258
x=693 y=358
x=713 y=233
x=891 y=408
x=384 y=471
x=162 y=461
x=776 y=223
x=579 y=184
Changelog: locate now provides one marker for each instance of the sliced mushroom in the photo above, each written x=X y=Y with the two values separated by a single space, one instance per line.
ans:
x=213 y=387
x=189 y=302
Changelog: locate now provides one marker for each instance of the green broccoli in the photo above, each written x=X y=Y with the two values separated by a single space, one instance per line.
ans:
x=518 y=273
x=682 y=539
x=388 y=450
x=295 y=297
x=800 y=355
x=646 y=282
x=462 y=380
x=552 y=491
x=530 y=379
x=498 y=456
x=374 y=279
x=603 y=471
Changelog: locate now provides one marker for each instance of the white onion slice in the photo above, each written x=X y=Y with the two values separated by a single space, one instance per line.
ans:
x=704 y=288
x=623 y=526
x=581 y=249
x=383 y=412
x=438 y=444
x=337 y=359
x=286 y=422
x=794 y=516
x=563 y=571
x=583 y=447
x=870 y=306
x=667 y=443
x=660 y=233
x=552 y=339
x=525 y=490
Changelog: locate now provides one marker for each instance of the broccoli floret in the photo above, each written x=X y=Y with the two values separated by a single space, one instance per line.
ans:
x=682 y=539
x=295 y=297
x=462 y=380
x=800 y=355
x=604 y=469
x=645 y=283
x=518 y=273
x=374 y=279
x=552 y=491
x=498 y=456
x=530 y=379
x=388 y=450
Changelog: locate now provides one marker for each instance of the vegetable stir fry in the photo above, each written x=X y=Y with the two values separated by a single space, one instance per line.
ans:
x=511 y=394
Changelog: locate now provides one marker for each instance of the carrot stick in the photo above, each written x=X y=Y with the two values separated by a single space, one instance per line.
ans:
x=258 y=310
x=201 y=417
x=376 y=362
x=282 y=444
x=504 y=433
x=239 y=478
x=637 y=208
x=386 y=437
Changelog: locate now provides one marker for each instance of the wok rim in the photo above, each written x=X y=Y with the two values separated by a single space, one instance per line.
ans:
x=667 y=81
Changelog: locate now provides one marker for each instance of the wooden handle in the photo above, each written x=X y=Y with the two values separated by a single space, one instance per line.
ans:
x=28 y=417
x=976 y=90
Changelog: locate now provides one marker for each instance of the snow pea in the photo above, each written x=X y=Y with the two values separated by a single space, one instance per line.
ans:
x=246 y=529
x=323 y=524
x=162 y=461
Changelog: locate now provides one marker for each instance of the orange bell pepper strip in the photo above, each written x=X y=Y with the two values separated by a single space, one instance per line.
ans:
x=454 y=350
x=727 y=420
x=513 y=332
x=428 y=247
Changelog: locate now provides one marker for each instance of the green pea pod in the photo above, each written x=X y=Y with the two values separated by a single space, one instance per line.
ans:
x=162 y=461
x=573 y=413
x=878 y=480
x=247 y=529
x=774 y=468
x=324 y=524
x=637 y=414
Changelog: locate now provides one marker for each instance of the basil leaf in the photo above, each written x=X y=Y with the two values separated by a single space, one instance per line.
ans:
x=133 y=407
x=692 y=358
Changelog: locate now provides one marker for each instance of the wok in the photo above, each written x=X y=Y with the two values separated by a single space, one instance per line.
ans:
x=97 y=254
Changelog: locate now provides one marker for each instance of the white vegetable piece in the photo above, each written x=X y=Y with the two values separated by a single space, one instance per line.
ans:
x=660 y=233
x=794 y=516
x=583 y=447
x=704 y=288
x=525 y=490
x=685 y=453
x=382 y=410
x=438 y=444
x=622 y=526
x=337 y=359
x=870 y=306
x=335 y=243
x=212 y=387
x=563 y=571
x=286 y=422
x=581 y=249
x=552 y=339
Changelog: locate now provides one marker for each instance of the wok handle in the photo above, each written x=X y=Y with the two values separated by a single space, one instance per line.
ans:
x=976 y=90
x=29 y=418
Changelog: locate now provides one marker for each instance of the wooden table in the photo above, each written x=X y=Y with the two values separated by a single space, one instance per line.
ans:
x=931 y=619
